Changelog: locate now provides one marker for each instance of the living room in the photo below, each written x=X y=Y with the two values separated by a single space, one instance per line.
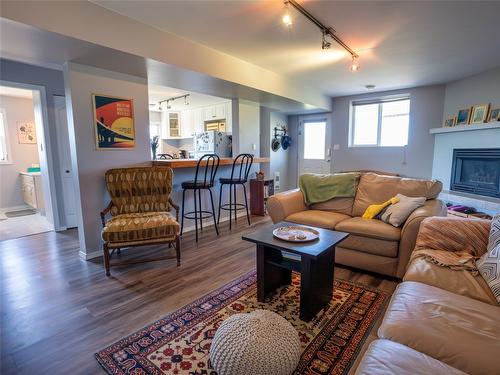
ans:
x=326 y=176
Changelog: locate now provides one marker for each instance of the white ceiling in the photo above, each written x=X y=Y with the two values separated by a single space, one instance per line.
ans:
x=401 y=44
x=195 y=100
x=18 y=93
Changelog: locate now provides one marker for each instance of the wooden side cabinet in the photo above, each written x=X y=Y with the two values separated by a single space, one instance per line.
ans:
x=260 y=190
x=31 y=189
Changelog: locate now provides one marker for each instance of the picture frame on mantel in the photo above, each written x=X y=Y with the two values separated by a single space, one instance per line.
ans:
x=494 y=114
x=450 y=122
x=479 y=113
x=463 y=116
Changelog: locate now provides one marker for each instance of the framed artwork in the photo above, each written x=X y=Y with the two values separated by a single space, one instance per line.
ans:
x=113 y=122
x=494 y=115
x=26 y=132
x=463 y=116
x=479 y=113
x=449 y=122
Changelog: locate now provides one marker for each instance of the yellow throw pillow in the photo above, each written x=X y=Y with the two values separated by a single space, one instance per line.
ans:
x=374 y=209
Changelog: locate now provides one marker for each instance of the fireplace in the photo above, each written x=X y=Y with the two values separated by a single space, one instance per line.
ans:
x=476 y=171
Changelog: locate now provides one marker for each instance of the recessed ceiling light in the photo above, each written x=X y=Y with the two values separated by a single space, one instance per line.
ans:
x=370 y=87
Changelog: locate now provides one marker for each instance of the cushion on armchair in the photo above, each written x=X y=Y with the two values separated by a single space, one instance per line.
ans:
x=144 y=226
x=489 y=264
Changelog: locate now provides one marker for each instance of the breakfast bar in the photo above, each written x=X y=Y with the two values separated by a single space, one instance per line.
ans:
x=184 y=170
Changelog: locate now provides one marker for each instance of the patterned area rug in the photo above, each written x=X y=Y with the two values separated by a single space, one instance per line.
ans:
x=180 y=342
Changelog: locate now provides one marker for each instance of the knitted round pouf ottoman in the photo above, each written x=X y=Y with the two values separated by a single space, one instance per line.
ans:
x=257 y=343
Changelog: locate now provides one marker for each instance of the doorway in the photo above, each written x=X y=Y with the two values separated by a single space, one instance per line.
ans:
x=26 y=203
x=314 y=145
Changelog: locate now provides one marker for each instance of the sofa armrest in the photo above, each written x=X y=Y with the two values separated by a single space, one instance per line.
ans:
x=454 y=234
x=286 y=203
x=431 y=208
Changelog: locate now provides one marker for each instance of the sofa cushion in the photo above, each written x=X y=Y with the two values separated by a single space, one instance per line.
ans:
x=385 y=357
x=457 y=330
x=374 y=189
x=340 y=205
x=316 y=218
x=369 y=228
x=456 y=281
x=373 y=246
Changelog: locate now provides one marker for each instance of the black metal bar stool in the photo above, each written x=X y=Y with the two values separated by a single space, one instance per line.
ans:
x=206 y=169
x=243 y=162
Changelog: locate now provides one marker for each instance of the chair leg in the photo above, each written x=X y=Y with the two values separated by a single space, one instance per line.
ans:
x=213 y=211
x=118 y=251
x=220 y=203
x=230 y=205
x=195 y=215
x=182 y=215
x=201 y=214
x=178 y=250
x=106 y=258
x=246 y=203
x=235 y=204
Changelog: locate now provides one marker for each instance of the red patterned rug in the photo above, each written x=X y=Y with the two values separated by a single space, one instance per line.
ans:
x=180 y=342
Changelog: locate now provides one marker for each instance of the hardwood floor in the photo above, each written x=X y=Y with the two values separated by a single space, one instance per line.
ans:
x=58 y=310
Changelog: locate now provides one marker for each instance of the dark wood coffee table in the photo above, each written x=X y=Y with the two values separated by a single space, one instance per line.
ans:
x=316 y=266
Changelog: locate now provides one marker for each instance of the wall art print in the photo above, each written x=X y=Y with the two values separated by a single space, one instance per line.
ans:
x=113 y=122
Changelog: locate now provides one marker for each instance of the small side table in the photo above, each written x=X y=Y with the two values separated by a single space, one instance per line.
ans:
x=316 y=266
x=260 y=190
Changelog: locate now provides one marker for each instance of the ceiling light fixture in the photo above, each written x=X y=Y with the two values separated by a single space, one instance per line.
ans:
x=287 y=18
x=325 y=30
x=185 y=96
x=354 y=64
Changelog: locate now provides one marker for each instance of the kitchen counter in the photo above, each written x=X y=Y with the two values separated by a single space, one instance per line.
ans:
x=191 y=163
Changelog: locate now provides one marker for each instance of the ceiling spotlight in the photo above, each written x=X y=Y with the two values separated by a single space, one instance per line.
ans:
x=325 y=44
x=186 y=101
x=354 y=64
x=287 y=18
x=159 y=107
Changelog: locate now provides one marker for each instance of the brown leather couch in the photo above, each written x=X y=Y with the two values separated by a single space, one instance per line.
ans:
x=439 y=320
x=373 y=245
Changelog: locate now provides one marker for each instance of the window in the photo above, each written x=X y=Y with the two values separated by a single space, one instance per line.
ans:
x=381 y=122
x=314 y=140
x=5 y=157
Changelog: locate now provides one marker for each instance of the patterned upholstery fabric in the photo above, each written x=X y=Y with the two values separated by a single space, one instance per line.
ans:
x=489 y=263
x=140 y=205
x=140 y=227
x=140 y=189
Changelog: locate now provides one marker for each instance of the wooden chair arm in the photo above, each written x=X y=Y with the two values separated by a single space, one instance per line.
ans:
x=176 y=208
x=104 y=212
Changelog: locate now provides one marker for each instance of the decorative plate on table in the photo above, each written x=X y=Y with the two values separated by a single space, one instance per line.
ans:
x=296 y=234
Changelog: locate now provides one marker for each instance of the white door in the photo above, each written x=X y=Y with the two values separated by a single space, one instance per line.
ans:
x=314 y=145
x=69 y=196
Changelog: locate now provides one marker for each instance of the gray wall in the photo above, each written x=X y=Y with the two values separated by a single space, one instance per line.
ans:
x=81 y=82
x=478 y=89
x=279 y=160
x=22 y=155
x=293 y=152
x=415 y=160
x=53 y=82
x=248 y=128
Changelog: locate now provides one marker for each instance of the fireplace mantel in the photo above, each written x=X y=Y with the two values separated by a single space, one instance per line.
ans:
x=465 y=128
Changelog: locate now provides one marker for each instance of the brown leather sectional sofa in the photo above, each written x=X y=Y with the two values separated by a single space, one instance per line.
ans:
x=373 y=245
x=439 y=320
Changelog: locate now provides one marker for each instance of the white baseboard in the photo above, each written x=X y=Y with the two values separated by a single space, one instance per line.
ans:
x=98 y=253
x=15 y=208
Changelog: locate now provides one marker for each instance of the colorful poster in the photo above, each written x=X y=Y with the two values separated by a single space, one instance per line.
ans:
x=26 y=132
x=113 y=122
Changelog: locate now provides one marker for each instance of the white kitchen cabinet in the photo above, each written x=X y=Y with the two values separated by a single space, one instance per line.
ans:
x=187 y=123
x=171 y=125
x=198 y=120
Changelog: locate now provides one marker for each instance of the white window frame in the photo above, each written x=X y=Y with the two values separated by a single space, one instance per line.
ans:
x=379 y=101
x=7 y=139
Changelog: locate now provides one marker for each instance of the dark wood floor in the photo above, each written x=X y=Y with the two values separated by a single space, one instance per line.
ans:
x=58 y=310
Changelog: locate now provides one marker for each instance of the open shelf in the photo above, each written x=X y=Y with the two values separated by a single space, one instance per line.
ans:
x=465 y=128
x=289 y=264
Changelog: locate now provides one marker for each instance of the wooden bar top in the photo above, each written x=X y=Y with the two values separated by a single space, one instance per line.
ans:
x=191 y=163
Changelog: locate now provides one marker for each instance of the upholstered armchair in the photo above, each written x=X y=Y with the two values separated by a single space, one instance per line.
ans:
x=140 y=212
